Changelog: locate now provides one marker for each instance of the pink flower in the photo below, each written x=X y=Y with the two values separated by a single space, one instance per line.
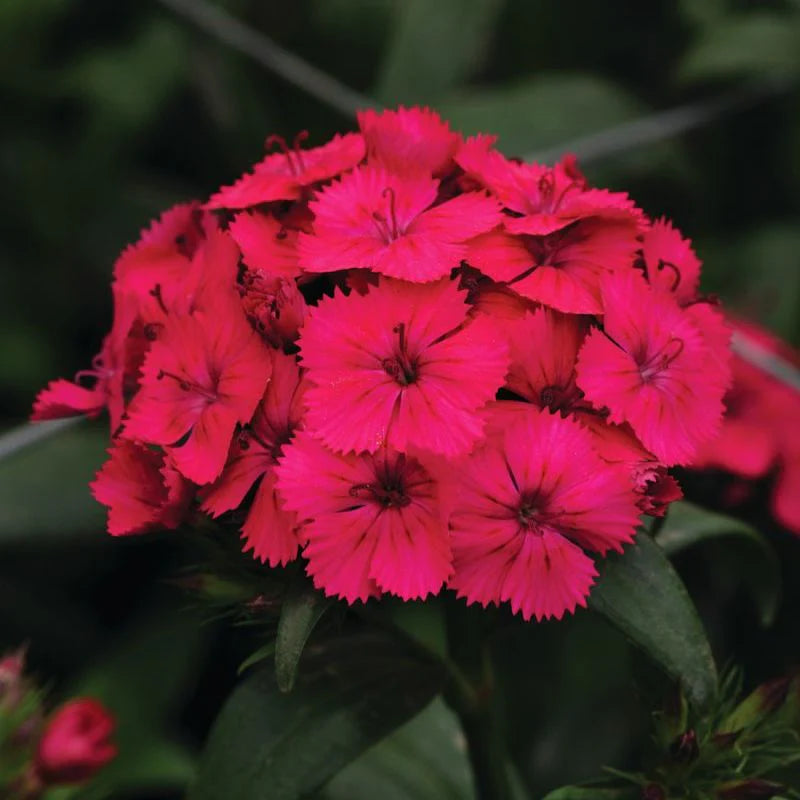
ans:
x=141 y=489
x=644 y=366
x=563 y=269
x=270 y=531
x=284 y=175
x=409 y=139
x=76 y=742
x=388 y=222
x=267 y=246
x=670 y=262
x=206 y=372
x=374 y=521
x=401 y=366
x=523 y=507
x=544 y=346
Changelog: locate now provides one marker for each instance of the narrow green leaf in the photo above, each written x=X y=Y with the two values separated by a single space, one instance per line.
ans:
x=640 y=593
x=687 y=525
x=350 y=693
x=300 y=612
x=417 y=68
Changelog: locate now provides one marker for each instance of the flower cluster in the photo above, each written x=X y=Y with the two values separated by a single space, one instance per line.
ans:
x=759 y=434
x=410 y=360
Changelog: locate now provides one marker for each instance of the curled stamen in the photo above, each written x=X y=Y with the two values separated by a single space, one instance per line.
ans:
x=187 y=385
x=662 y=358
x=547 y=183
x=274 y=139
x=400 y=366
x=662 y=265
x=301 y=137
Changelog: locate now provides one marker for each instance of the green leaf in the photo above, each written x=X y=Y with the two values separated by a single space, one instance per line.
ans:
x=44 y=488
x=541 y=112
x=419 y=67
x=425 y=759
x=300 y=612
x=351 y=692
x=755 y=44
x=640 y=593
x=687 y=525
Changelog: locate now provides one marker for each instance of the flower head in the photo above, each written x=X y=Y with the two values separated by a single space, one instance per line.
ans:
x=412 y=373
x=526 y=505
x=374 y=522
x=284 y=175
x=644 y=367
x=204 y=374
x=388 y=222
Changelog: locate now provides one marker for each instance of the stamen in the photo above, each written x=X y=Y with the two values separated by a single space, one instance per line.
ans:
x=187 y=386
x=282 y=233
x=298 y=153
x=400 y=366
x=392 y=213
x=274 y=139
x=677 y=273
x=661 y=359
x=156 y=292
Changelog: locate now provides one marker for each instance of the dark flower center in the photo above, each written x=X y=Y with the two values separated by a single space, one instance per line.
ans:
x=401 y=366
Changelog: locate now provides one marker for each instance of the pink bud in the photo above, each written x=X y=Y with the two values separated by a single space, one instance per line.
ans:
x=75 y=743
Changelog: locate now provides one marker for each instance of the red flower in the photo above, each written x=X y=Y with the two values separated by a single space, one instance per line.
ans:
x=374 y=521
x=141 y=489
x=523 y=506
x=413 y=373
x=670 y=262
x=267 y=246
x=206 y=372
x=544 y=347
x=387 y=222
x=284 y=175
x=76 y=742
x=409 y=139
x=644 y=367
x=270 y=531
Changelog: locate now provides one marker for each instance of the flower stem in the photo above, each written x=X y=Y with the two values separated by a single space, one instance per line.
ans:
x=472 y=701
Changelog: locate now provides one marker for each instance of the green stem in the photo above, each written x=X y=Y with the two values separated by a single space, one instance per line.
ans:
x=472 y=701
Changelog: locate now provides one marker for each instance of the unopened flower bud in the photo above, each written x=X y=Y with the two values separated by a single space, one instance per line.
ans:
x=75 y=743
x=653 y=792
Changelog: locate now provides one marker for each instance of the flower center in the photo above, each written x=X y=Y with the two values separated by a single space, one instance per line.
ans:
x=661 y=359
x=531 y=512
x=189 y=386
x=389 y=495
x=386 y=224
x=559 y=398
x=401 y=366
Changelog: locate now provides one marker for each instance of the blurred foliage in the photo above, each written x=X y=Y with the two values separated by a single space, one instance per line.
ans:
x=115 y=111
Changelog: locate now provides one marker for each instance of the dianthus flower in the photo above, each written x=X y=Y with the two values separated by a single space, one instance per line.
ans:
x=142 y=490
x=284 y=175
x=374 y=522
x=402 y=366
x=205 y=373
x=524 y=508
x=644 y=366
x=409 y=139
x=270 y=531
x=387 y=222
